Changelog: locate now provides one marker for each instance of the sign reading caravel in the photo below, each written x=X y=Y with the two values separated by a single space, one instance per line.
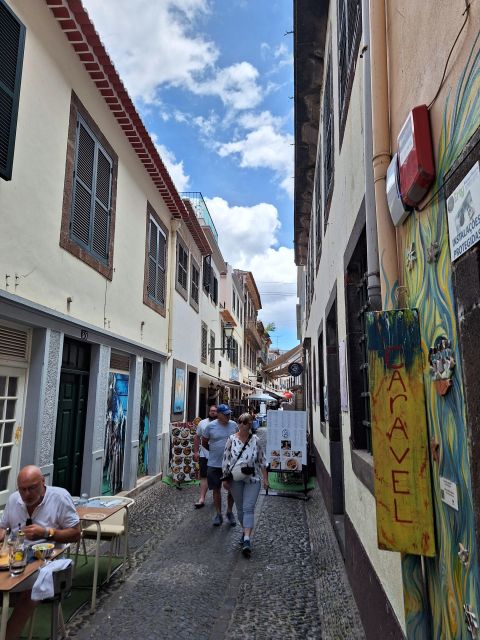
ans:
x=399 y=433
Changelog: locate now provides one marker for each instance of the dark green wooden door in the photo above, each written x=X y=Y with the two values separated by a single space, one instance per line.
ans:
x=71 y=419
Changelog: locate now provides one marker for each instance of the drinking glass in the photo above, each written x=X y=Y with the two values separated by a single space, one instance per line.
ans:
x=17 y=561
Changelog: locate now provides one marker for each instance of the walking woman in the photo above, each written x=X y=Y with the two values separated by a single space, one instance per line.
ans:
x=244 y=465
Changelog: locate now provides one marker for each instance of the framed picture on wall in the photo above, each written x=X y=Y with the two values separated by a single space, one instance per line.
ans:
x=179 y=391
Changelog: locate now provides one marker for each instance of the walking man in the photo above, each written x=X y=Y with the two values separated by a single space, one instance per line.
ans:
x=202 y=456
x=214 y=439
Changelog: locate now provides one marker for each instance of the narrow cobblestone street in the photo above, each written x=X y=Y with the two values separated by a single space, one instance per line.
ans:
x=189 y=579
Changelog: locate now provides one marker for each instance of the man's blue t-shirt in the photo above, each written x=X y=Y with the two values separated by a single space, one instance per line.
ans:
x=217 y=435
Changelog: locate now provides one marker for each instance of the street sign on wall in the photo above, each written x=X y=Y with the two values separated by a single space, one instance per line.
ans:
x=399 y=433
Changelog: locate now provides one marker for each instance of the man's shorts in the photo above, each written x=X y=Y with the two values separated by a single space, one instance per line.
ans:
x=203 y=462
x=213 y=476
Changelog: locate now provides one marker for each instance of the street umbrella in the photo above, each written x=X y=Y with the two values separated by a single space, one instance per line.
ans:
x=263 y=397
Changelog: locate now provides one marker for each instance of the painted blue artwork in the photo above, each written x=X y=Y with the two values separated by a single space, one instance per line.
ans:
x=179 y=391
x=116 y=424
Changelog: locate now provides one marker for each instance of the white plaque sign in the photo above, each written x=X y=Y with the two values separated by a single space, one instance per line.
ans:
x=448 y=491
x=463 y=209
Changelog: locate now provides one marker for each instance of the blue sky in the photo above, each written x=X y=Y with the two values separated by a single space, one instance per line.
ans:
x=213 y=81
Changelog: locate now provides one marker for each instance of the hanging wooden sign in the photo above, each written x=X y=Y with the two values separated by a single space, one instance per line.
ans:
x=399 y=433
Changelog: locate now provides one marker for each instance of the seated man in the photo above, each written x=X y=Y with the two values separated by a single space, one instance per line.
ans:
x=43 y=513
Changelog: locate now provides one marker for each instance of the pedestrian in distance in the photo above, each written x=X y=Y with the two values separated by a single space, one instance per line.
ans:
x=44 y=513
x=202 y=456
x=245 y=470
x=253 y=415
x=215 y=436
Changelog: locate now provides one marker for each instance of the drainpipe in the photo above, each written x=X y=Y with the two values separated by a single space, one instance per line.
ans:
x=387 y=247
x=175 y=226
x=373 y=276
x=417 y=612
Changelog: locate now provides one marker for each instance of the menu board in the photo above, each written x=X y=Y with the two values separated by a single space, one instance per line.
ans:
x=287 y=440
x=182 y=465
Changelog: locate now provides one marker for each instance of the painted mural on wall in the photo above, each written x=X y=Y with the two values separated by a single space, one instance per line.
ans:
x=399 y=433
x=144 y=427
x=179 y=391
x=116 y=424
x=452 y=585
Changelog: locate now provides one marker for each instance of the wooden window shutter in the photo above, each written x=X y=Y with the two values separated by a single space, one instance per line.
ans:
x=83 y=186
x=152 y=259
x=12 y=41
x=101 y=216
x=91 y=202
x=162 y=246
x=156 y=263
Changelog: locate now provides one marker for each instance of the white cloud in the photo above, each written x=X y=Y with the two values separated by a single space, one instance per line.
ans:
x=244 y=231
x=264 y=147
x=154 y=43
x=174 y=168
x=248 y=240
x=237 y=86
x=160 y=43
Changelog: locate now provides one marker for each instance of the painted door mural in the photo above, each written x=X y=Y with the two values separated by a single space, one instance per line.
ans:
x=116 y=424
x=144 y=428
x=12 y=385
x=452 y=585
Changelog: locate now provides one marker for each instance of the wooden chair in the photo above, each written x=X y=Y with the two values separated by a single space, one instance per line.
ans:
x=112 y=529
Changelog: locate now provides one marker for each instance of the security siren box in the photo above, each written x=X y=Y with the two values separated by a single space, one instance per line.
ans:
x=415 y=157
x=398 y=211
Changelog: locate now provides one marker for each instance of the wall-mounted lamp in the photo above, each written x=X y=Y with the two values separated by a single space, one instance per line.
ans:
x=228 y=330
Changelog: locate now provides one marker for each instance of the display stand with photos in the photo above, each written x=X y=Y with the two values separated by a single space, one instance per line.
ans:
x=287 y=445
x=183 y=468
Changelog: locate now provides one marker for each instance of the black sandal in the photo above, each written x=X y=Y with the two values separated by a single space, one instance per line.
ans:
x=199 y=505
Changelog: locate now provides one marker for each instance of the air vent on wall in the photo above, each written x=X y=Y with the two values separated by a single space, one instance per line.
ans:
x=120 y=361
x=13 y=344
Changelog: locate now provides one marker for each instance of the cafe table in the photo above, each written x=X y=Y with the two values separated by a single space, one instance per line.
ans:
x=95 y=512
x=8 y=583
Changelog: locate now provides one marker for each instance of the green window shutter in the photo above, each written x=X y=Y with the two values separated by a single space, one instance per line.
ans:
x=12 y=41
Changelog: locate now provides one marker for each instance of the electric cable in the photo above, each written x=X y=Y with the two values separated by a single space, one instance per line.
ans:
x=466 y=14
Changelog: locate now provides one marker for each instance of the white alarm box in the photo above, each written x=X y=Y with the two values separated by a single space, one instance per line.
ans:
x=397 y=209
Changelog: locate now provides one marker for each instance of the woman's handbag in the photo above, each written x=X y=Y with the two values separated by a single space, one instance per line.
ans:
x=236 y=473
x=239 y=473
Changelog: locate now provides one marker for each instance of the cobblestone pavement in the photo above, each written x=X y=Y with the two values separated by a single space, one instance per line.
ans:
x=188 y=580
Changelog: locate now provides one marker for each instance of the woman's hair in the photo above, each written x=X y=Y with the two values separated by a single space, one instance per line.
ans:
x=245 y=417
